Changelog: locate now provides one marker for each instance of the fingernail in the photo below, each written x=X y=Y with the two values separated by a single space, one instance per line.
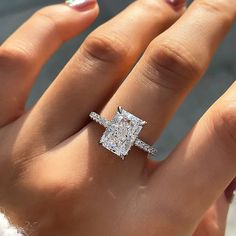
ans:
x=81 y=5
x=177 y=4
x=231 y=191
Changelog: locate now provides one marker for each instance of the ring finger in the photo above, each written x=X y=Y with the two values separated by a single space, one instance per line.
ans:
x=172 y=64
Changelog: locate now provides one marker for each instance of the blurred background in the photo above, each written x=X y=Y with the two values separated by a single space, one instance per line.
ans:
x=221 y=73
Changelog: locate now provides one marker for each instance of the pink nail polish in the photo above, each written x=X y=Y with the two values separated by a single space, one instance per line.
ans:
x=230 y=191
x=177 y=4
x=81 y=5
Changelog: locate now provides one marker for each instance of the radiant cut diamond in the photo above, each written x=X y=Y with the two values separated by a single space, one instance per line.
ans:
x=122 y=132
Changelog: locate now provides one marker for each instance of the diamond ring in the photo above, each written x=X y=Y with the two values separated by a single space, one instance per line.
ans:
x=122 y=133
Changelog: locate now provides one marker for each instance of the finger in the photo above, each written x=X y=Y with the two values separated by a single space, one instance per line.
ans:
x=203 y=165
x=97 y=69
x=25 y=52
x=214 y=220
x=172 y=64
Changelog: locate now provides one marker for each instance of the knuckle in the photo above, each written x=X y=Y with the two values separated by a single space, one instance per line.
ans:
x=220 y=8
x=105 y=49
x=51 y=21
x=171 y=65
x=224 y=120
x=215 y=6
x=14 y=59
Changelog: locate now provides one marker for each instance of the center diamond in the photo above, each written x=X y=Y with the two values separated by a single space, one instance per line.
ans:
x=122 y=132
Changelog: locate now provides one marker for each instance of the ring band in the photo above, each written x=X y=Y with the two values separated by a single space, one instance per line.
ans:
x=122 y=133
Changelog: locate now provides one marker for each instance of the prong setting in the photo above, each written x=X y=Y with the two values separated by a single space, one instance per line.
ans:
x=122 y=132
x=120 y=109
x=144 y=123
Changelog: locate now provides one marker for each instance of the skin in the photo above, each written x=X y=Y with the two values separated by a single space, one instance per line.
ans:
x=55 y=176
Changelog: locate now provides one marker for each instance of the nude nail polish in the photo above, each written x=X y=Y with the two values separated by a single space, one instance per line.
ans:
x=231 y=191
x=81 y=5
x=177 y=4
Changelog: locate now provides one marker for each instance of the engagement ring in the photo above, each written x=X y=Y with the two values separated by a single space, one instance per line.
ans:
x=122 y=132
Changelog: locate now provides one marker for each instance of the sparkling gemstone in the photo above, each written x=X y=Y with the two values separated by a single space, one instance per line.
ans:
x=122 y=132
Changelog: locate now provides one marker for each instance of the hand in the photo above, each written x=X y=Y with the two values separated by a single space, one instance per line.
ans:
x=53 y=173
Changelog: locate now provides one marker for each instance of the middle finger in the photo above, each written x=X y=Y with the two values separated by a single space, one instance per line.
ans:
x=97 y=69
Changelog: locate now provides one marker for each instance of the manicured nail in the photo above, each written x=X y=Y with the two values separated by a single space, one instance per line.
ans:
x=81 y=5
x=177 y=4
x=231 y=191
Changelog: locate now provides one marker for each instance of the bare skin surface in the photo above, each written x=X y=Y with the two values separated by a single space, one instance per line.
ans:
x=54 y=177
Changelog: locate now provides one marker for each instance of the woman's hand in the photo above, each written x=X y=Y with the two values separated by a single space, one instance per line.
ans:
x=54 y=177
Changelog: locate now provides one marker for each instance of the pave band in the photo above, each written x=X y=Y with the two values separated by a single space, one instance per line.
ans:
x=121 y=128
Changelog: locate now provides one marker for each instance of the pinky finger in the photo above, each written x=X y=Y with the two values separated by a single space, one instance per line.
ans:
x=214 y=220
x=203 y=165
